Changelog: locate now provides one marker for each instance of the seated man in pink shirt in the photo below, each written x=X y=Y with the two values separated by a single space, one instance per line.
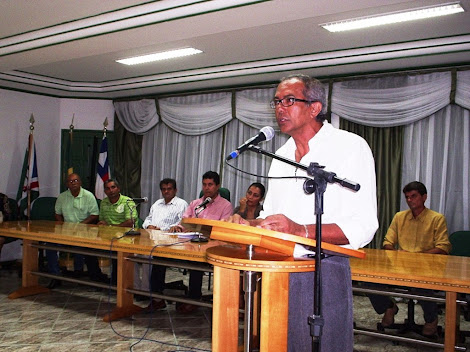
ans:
x=217 y=208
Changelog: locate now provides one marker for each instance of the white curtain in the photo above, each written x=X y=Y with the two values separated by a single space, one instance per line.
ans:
x=137 y=116
x=252 y=107
x=196 y=114
x=167 y=153
x=462 y=94
x=436 y=141
x=391 y=101
x=438 y=154
x=252 y=112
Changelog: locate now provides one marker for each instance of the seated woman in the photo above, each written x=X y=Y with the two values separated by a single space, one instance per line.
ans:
x=250 y=206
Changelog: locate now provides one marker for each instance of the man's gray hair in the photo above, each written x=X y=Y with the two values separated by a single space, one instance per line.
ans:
x=314 y=91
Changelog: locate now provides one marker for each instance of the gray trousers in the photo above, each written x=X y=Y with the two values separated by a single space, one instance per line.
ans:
x=336 y=303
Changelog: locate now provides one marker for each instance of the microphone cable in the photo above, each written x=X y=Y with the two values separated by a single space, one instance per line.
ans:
x=143 y=338
x=269 y=177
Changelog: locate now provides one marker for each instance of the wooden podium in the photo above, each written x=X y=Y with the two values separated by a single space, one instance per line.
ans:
x=269 y=253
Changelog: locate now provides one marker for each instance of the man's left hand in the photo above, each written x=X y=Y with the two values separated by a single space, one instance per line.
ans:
x=281 y=223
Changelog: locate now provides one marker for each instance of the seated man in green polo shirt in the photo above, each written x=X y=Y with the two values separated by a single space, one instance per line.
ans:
x=75 y=205
x=117 y=210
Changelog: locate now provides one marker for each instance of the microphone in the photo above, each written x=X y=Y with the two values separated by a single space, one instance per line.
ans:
x=204 y=204
x=265 y=134
x=140 y=200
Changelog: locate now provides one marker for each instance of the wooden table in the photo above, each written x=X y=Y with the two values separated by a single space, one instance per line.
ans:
x=99 y=237
x=450 y=274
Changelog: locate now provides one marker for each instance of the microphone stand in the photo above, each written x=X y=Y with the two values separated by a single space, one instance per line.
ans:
x=133 y=231
x=200 y=237
x=316 y=185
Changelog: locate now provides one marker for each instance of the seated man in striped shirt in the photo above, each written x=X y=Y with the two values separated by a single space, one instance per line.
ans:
x=164 y=214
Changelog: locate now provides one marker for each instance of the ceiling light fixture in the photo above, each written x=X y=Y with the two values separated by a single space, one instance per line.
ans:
x=394 y=17
x=164 y=55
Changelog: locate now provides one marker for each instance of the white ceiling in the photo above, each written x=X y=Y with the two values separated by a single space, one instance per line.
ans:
x=67 y=48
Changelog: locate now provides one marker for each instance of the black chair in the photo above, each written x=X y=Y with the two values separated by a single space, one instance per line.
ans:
x=43 y=208
x=13 y=205
x=224 y=193
x=9 y=209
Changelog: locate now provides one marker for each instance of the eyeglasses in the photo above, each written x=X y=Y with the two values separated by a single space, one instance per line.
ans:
x=73 y=181
x=288 y=101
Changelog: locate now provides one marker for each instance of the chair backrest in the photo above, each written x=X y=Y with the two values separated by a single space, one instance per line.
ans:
x=9 y=208
x=13 y=208
x=43 y=208
x=460 y=241
x=224 y=193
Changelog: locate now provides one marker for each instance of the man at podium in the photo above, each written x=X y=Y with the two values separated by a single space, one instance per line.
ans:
x=349 y=218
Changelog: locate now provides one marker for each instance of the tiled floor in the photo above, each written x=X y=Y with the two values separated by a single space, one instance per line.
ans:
x=70 y=319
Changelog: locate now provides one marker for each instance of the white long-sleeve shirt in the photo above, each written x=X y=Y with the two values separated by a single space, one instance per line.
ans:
x=345 y=154
x=163 y=215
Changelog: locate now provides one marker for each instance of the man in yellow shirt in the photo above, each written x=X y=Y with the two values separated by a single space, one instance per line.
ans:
x=417 y=230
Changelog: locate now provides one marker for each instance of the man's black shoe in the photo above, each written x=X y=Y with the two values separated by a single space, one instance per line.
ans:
x=54 y=283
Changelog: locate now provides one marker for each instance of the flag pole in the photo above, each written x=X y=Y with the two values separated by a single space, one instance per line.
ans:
x=103 y=172
x=105 y=126
x=69 y=151
x=30 y=151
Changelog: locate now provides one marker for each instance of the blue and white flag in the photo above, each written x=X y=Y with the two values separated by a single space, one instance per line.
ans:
x=103 y=172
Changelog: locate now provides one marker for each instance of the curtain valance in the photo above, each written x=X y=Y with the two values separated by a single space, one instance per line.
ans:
x=462 y=94
x=391 y=101
x=196 y=114
x=137 y=116
x=380 y=102
x=252 y=107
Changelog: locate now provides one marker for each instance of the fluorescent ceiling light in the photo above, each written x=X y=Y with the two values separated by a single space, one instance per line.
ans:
x=394 y=17
x=164 y=55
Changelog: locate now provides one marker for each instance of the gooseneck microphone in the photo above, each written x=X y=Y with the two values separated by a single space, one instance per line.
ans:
x=265 y=134
x=204 y=204
x=140 y=200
